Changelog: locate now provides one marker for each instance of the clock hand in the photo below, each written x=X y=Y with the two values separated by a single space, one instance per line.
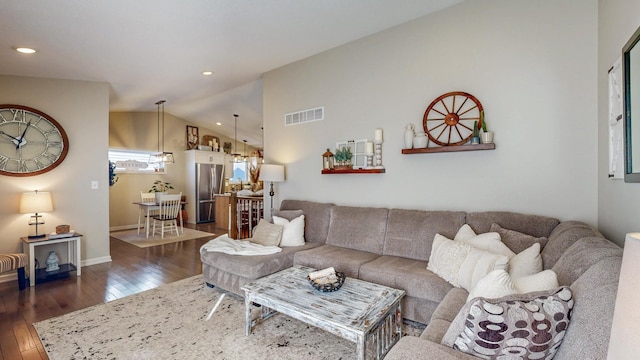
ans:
x=5 y=134
x=21 y=140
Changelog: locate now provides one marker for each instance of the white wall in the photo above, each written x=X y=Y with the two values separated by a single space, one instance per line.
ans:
x=530 y=63
x=618 y=202
x=82 y=109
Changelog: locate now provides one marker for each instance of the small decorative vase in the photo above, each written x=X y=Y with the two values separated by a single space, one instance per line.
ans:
x=52 y=261
x=158 y=194
x=475 y=140
x=408 y=136
x=420 y=140
x=487 y=137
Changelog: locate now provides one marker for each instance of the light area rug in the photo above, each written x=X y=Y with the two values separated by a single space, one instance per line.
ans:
x=132 y=237
x=169 y=322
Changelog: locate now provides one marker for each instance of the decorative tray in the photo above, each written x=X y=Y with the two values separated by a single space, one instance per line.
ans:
x=330 y=286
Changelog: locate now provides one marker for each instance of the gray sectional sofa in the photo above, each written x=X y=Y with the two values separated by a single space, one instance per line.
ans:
x=392 y=247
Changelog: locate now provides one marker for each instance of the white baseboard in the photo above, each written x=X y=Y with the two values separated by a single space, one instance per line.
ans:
x=123 y=227
x=9 y=276
x=95 y=261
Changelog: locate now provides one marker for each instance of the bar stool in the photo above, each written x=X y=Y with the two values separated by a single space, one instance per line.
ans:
x=9 y=262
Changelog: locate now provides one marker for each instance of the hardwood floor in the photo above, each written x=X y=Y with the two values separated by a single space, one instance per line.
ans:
x=131 y=270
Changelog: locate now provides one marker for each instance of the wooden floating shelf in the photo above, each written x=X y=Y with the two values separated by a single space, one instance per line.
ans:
x=354 y=171
x=469 y=147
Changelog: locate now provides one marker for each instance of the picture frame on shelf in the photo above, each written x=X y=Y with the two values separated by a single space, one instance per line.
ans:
x=192 y=137
x=358 y=149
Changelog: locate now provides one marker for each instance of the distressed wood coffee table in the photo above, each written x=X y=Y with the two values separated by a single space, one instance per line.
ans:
x=362 y=312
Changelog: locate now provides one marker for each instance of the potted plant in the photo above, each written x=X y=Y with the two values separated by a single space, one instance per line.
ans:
x=475 y=139
x=160 y=187
x=342 y=158
x=487 y=136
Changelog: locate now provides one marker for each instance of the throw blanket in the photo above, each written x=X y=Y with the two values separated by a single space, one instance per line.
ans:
x=227 y=245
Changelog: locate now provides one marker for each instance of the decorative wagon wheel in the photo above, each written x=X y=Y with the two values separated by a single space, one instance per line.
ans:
x=449 y=118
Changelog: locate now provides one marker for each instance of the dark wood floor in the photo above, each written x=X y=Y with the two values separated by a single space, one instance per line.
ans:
x=131 y=270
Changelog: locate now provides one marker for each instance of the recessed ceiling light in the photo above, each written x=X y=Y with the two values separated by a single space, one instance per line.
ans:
x=207 y=73
x=219 y=123
x=25 y=50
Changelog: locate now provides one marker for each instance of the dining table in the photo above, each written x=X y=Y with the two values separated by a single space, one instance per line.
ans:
x=146 y=208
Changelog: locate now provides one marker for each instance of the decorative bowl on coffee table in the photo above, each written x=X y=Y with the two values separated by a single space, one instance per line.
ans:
x=330 y=286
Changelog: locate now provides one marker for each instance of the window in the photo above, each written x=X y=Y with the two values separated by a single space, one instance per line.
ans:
x=240 y=172
x=132 y=161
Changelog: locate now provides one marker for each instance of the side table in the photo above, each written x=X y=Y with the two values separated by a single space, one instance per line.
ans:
x=73 y=256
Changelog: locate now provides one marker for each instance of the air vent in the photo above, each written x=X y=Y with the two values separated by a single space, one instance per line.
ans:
x=304 y=116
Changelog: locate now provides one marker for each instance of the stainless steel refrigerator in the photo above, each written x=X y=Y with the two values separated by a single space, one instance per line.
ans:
x=209 y=177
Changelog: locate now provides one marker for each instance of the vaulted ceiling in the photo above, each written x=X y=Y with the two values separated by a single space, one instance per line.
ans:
x=148 y=50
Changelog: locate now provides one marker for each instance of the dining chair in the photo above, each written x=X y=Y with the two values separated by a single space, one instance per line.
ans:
x=145 y=197
x=168 y=212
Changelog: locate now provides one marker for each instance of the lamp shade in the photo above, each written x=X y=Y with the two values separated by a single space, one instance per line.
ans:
x=624 y=343
x=35 y=202
x=271 y=172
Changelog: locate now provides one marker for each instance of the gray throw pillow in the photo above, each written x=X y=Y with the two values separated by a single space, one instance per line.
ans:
x=267 y=234
x=517 y=241
x=528 y=326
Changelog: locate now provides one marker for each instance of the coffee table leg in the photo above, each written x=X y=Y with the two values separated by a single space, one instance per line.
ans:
x=361 y=347
x=247 y=309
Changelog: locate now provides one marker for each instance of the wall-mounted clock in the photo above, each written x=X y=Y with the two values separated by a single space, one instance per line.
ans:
x=31 y=142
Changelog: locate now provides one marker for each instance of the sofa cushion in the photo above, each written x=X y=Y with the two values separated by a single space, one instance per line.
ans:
x=359 y=228
x=563 y=236
x=580 y=256
x=444 y=315
x=410 y=275
x=595 y=297
x=342 y=259
x=531 y=325
x=316 y=215
x=533 y=225
x=410 y=233
x=253 y=267
x=517 y=241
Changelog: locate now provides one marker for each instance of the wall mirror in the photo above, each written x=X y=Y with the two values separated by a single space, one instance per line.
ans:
x=631 y=76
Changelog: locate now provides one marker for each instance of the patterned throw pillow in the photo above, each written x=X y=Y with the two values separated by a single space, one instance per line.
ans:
x=526 y=326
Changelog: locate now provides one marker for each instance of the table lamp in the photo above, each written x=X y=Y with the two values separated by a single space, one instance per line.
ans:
x=624 y=341
x=35 y=202
x=272 y=173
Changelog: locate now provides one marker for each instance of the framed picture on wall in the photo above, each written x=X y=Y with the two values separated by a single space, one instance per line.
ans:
x=192 y=137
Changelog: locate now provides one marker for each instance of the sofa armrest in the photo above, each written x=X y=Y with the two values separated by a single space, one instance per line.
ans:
x=411 y=347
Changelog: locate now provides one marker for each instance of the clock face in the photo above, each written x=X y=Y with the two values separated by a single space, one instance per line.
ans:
x=31 y=142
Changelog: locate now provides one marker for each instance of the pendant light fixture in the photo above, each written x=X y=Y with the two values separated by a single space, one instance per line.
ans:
x=236 y=156
x=162 y=157
x=245 y=157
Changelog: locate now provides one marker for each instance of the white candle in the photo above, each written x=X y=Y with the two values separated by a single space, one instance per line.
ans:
x=369 y=147
x=378 y=135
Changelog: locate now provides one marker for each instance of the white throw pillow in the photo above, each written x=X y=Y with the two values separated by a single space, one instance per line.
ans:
x=542 y=281
x=496 y=284
x=464 y=233
x=447 y=257
x=461 y=264
x=488 y=241
x=293 y=232
x=527 y=262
